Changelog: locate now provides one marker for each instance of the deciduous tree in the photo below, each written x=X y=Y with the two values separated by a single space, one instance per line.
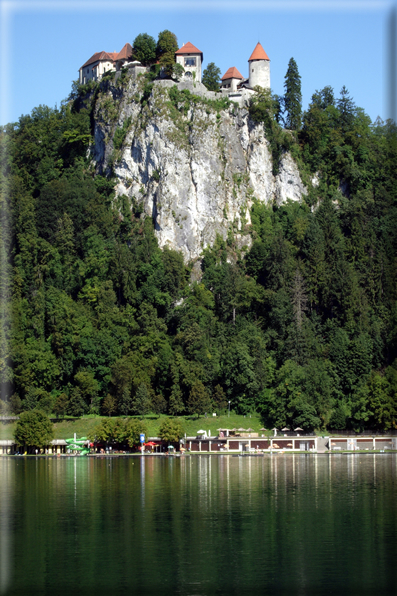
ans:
x=167 y=45
x=171 y=430
x=144 y=48
x=33 y=429
x=211 y=76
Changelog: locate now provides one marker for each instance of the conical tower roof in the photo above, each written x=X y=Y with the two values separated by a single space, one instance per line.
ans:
x=232 y=73
x=258 y=54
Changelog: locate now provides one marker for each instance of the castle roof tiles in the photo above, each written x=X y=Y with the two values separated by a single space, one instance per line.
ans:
x=258 y=54
x=126 y=52
x=232 y=73
x=98 y=56
x=188 y=48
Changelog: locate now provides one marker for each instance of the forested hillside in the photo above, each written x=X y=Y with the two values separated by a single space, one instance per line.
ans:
x=302 y=327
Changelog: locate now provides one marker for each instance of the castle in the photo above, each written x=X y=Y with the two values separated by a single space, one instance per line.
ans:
x=190 y=58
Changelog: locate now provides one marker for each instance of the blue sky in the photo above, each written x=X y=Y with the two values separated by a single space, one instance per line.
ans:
x=335 y=43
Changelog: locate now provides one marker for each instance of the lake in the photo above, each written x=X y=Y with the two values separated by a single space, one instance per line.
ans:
x=200 y=525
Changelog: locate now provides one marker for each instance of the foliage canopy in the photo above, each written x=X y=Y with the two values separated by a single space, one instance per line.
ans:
x=301 y=327
x=33 y=429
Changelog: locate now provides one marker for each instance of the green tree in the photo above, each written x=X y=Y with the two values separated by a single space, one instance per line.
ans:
x=103 y=432
x=381 y=404
x=199 y=401
x=171 y=430
x=134 y=428
x=15 y=404
x=219 y=398
x=144 y=48
x=142 y=402
x=77 y=405
x=293 y=97
x=61 y=405
x=33 y=430
x=167 y=45
x=211 y=76
x=88 y=386
x=175 y=404
x=346 y=109
x=4 y=408
x=159 y=404
x=46 y=402
x=177 y=71
x=109 y=405
x=31 y=400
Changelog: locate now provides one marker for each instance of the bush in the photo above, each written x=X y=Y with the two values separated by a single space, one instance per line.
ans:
x=121 y=133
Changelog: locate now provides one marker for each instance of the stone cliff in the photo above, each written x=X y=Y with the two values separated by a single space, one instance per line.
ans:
x=194 y=164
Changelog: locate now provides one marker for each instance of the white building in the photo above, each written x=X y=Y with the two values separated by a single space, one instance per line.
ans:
x=101 y=62
x=239 y=89
x=231 y=79
x=191 y=59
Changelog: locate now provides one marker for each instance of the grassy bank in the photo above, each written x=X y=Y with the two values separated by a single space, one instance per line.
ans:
x=66 y=428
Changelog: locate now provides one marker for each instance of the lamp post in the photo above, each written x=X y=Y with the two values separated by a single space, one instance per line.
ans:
x=229 y=410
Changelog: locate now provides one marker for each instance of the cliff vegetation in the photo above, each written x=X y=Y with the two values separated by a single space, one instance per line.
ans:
x=167 y=252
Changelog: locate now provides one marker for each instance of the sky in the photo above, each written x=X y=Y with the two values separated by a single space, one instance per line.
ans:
x=334 y=42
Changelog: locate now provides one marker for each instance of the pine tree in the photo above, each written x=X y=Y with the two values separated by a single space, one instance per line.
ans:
x=199 y=401
x=31 y=399
x=346 y=109
x=293 y=97
x=142 y=401
x=175 y=404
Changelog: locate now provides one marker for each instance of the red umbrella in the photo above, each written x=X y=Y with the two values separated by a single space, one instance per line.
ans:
x=151 y=444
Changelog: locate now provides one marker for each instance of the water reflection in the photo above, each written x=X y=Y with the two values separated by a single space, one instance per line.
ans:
x=199 y=525
x=6 y=543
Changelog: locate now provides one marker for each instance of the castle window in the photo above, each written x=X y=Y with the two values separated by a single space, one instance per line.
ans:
x=190 y=61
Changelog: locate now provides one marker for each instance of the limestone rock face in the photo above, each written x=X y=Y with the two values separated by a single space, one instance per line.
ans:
x=194 y=168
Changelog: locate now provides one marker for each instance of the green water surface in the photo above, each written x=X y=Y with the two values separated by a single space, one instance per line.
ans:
x=233 y=525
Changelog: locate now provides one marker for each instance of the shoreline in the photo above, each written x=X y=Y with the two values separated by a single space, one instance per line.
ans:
x=196 y=453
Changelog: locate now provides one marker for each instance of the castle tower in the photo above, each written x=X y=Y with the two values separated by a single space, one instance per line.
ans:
x=191 y=59
x=259 y=68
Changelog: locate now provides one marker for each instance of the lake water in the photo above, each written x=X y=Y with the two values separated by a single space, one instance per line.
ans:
x=200 y=525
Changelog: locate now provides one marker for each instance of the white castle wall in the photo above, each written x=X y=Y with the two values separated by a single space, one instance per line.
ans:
x=180 y=59
x=259 y=73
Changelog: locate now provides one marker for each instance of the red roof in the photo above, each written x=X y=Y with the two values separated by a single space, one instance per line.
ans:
x=258 y=54
x=125 y=53
x=188 y=48
x=100 y=56
x=232 y=73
